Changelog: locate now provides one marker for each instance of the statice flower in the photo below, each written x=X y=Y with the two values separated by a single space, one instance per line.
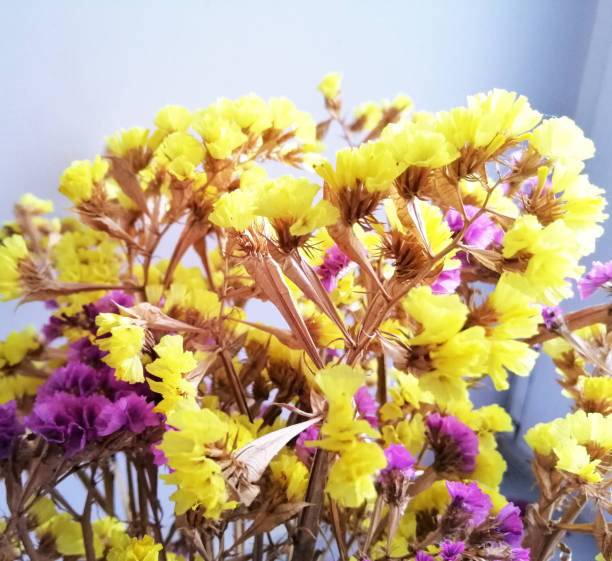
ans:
x=600 y=275
x=398 y=459
x=447 y=282
x=108 y=304
x=422 y=556
x=333 y=263
x=10 y=428
x=455 y=444
x=132 y=412
x=75 y=378
x=303 y=452
x=366 y=406
x=509 y=523
x=481 y=233
x=451 y=550
x=83 y=350
x=471 y=499
x=520 y=554
x=68 y=420
x=552 y=316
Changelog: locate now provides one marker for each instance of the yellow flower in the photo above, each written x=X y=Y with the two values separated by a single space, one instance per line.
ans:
x=34 y=205
x=170 y=367
x=330 y=85
x=235 y=210
x=173 y=118
x=574 y=458
x=291 y=474
x=560 y=139
x=124 y=346
x=124 y=142
x=371 y=114
x=12 y=250
x=78 y=181
x=370 y=165
x=135 y=549
x=287 y=201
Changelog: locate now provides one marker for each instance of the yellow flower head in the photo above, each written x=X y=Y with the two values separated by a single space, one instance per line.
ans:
x=560 y=139
x=330 y=85
x=124 y=346
x=12 y=250
x=78 y=181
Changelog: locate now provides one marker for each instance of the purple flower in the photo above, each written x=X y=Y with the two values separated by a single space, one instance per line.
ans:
x=481 y=233
x=132 y=412
x=333 y=263
x=510 y=524
x=520 y=554
x=75 y=378
x=83 y=350
x=552 y=316
x=159 y=458
x=68 y=420
x=599 y=275
x=399 y=458
x=109 y=304
x=469 y=497
x=52 y=329
x=366 y=406
x=422 y=556
x=303 y=452
x=10 y=428
x=455 y=444
x=451 y=550
x=447 y=282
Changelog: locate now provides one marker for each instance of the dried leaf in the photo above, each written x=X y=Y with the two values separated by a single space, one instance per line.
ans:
x=128 y=181
x=151 y=317
x=258 y=454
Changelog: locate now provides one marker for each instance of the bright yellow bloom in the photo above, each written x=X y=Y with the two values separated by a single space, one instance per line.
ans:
x=78 y=181
x=124 y=142
x=235 y=210
x=287 y=201
x=181 y=153
x=12 y=250
x=170 y=367
x=370 y=165
x=173 y=118
x=574 y=458
x=291 y=474
x=124 y=346
x=560 y=139
x=330 y=85
x=34 y=205
x=371 y=113
x=135 y=549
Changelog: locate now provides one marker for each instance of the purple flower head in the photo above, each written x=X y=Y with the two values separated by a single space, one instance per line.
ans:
x=509 y=523
x=83 y=350
x=451 y=550
x=400 y=459
x=552 y=316
x=75 y=378
x=481 y=233
x=159 y=458
x=333 y=263
x=52 y=329
x=303 y=452
x=422 y=556
x=66 y=419
x=108 y=304
x=131 y=412
x=455 y=444
x=470 y=498
x=521 y=554
x=366 y=406
x=10 y=428
x=447 y=282
x=599 y=275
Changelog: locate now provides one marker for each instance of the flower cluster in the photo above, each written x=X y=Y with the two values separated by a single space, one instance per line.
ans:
x=431 y=253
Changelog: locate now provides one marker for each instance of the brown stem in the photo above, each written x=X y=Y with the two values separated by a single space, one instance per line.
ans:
x=236 y=384
x=88 y=538
x=381 y=380
x=308 y=527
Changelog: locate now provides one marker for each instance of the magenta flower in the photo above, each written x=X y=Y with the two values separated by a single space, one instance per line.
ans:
x=422 y=556
x=68 y=420
x=400 y=464
x=552 y=316
x=481 y=233
x=599 y=275
x=132 y=412
x=470 y=498
x=447 y=282
x=303 y=452
x=521 y=554
x=366 y=406
x=109 y=304
x=510 y=524
x=451 y=550
x=455 y=444
x=10 y=428
x=333 y=263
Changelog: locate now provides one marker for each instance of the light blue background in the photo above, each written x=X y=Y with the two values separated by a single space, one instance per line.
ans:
x=73 y=72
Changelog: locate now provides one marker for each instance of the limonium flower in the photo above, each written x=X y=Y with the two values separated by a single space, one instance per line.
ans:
x=600 y=275
x=451 y=550
x=332 y=265
x=454 y=444
x=470 y=498
x=10 y=428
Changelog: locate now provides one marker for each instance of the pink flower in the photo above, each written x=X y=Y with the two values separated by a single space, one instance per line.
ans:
x=599 y=275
